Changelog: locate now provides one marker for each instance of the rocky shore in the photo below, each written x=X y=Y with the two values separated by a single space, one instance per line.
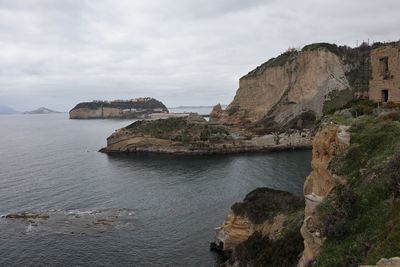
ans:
x=351 y=201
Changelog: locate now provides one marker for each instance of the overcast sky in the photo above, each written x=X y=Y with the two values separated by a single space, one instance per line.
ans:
x=56 y=53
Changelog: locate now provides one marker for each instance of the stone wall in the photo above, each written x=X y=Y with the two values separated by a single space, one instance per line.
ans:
x=385 y=76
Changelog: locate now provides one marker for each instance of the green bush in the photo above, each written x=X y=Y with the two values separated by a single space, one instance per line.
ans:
x=233 y=111
x=336 y=100
x=179 y=130
x=205 y=135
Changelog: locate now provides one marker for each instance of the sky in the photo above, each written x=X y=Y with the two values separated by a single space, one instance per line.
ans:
x=57 y=53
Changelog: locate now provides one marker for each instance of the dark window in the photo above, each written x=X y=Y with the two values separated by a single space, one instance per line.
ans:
x=384 y=67
x=385 y=95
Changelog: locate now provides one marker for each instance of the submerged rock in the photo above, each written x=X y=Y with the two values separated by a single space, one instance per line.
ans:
x=73 y=222
x=27 y=216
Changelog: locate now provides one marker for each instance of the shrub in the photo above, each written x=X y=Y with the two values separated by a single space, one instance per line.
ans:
x=336 y=100
x=233 y=111
x=259 y=250
x=205 y=135
x=390 y=116
x=392 y=105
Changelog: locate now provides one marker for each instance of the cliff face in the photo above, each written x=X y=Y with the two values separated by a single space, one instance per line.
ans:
x=282 y=92
x=329 y=141
x=135 y=108
x=266 y=216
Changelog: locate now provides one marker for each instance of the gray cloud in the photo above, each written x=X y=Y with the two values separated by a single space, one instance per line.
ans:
x=57 y=53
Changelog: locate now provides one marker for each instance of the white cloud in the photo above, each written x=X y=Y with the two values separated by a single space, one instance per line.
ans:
x=189 y=52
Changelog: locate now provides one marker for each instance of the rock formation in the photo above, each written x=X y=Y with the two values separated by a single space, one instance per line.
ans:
x=392 y=262
x=292 y=90
x=264 y=214
x=135 y=108
x=328 y=142
x=194 y=135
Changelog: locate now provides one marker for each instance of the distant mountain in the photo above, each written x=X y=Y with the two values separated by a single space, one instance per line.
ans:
x=41 y=110
x=7 y=110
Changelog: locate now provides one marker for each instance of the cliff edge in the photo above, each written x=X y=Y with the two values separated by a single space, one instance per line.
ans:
x=295 y=89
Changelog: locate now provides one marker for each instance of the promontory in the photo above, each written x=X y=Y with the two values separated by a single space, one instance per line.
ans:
x=277 y=105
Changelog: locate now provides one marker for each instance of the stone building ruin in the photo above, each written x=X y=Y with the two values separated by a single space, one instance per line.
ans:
x=385 y=83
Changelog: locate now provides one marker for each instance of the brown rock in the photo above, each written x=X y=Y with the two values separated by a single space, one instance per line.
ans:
x=283 y=92
x=329 y=141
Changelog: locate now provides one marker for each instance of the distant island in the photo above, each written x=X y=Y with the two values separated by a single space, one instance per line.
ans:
x=6 y=110
x=125 y=109
x=41 y=110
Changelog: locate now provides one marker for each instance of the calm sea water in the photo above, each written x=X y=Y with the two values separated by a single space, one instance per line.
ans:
x=163 y=208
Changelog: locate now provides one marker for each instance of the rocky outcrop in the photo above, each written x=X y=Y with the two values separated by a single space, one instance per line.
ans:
x=328 y=142
x=288 y=90
x=193 y=135
x=27 y=215
x=392 y=262
x=216 y=113
x=263 y=214
x=128 y=109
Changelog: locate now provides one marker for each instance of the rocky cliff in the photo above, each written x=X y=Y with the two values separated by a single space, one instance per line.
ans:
x=328 y=142
x=294 y=89
x=135 y=108
x=353 y=216
x=352 y=200
x=266 y=217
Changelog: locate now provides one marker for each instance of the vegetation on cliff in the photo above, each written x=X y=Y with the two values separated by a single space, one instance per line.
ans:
x=264 y=203
x=180 y=129
x=259 y=250
x=287 y=57
x=361 y=218
x=267 y=208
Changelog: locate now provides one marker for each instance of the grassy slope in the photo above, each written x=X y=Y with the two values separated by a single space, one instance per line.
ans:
x=361 y=219
x=178 y=129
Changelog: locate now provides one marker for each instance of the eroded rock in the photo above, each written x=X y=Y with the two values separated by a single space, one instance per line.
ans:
x=263 y=212
x=328 y=142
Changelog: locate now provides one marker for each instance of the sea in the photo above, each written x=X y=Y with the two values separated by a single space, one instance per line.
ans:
x=120 y=210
